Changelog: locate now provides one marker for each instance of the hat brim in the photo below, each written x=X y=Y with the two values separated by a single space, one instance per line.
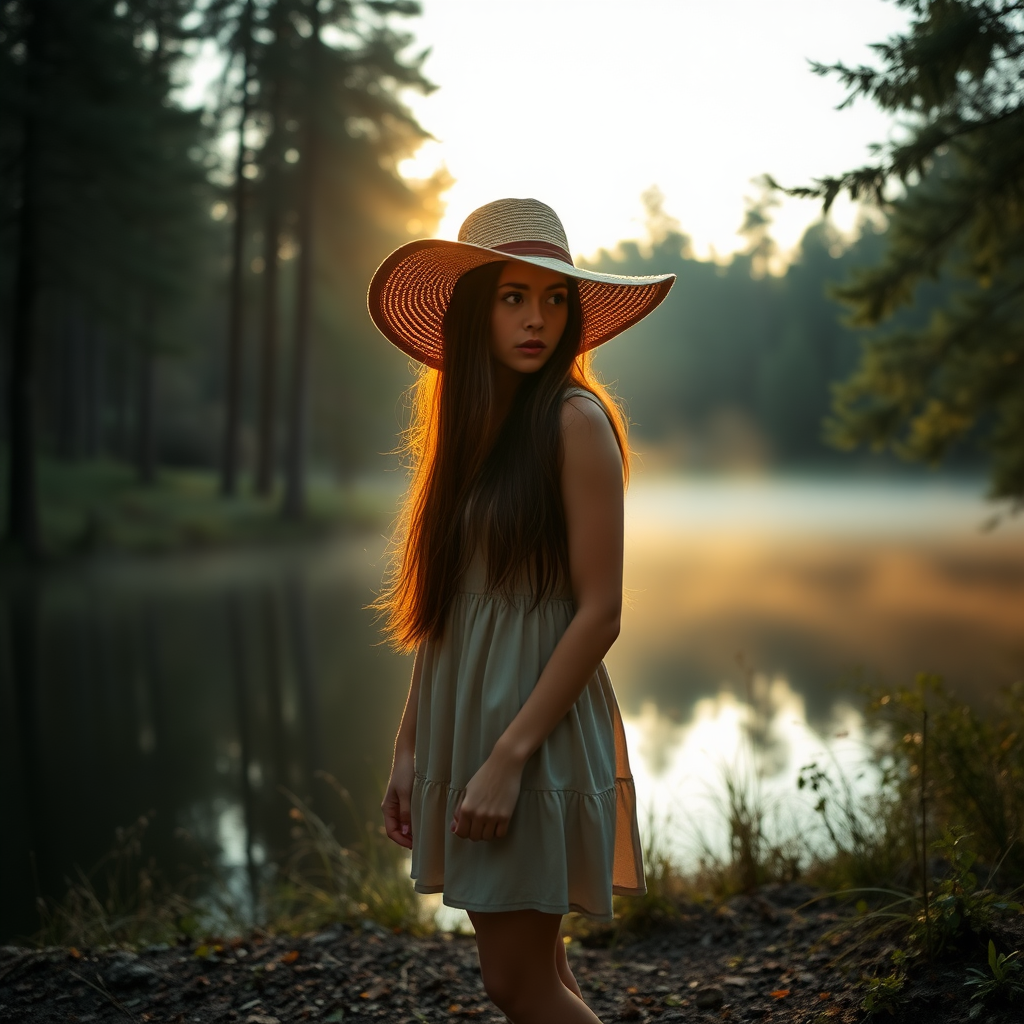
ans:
x=411 y=289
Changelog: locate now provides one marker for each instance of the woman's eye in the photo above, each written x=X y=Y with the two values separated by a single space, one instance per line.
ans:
x=557 y=299
x=513 y=298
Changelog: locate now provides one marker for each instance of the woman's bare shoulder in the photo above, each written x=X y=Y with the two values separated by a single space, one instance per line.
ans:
x=586 y=430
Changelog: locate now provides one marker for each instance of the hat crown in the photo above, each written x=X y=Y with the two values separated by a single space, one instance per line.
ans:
x=513 y=220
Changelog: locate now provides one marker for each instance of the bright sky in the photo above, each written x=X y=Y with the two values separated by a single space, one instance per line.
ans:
x=585 y=104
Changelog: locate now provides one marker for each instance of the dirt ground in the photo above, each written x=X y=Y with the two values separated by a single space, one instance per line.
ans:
x=769 y=957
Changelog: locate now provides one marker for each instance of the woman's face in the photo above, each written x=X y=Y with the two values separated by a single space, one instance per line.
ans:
x=530 y=310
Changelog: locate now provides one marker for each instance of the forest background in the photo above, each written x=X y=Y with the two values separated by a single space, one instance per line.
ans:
x=187 y=359
x=184 y=296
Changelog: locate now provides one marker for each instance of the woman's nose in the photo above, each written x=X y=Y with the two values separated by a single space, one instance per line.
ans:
x=534 y=313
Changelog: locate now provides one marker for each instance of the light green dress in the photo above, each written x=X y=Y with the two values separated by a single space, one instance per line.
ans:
x=573 y=839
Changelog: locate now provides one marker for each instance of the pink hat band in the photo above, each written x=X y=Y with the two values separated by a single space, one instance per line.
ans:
x=535 y=248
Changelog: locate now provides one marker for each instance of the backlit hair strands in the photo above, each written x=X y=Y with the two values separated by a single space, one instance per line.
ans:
x=465 y=490
x=433 y=299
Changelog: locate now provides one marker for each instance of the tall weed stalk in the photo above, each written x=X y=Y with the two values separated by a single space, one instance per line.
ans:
x=123 y=901
x=322 y=882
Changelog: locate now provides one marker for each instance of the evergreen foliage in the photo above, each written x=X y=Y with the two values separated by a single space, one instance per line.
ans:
x=956 y=78
x=735 y=366
x=116 y=345
x=126 y=202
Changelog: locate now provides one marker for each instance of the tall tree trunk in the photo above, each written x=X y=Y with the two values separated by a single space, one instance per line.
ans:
x=294 y=504
x=233 y=377
x=145 y=396
x=59 y=367
x=22 y=497
x=265 y=438
x=265 y=446
x=122 y=400
x=71 y=370
x=92 y=407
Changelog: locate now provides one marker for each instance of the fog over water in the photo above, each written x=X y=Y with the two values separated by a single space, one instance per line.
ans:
x=196 y=686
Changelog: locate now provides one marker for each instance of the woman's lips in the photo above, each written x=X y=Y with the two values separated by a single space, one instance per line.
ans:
x=531 y=347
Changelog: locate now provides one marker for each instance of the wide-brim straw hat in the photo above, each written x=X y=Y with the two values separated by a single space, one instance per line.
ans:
x=411 y=289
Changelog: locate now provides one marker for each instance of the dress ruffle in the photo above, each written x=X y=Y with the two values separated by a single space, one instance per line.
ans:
x=573 y=839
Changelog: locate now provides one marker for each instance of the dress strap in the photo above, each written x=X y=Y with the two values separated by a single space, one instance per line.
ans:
x=574 y=392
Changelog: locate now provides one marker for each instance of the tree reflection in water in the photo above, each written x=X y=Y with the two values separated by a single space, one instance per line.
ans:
x=198 y=686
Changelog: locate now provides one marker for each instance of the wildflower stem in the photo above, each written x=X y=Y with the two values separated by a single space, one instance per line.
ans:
x=924 y=829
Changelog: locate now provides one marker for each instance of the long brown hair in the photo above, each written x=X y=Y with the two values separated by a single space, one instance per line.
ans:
x=465 y=490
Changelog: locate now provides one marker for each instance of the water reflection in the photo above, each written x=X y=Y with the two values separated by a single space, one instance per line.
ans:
x=807 y=582
x=198 y=686
x=758 y=745
x=195 y=689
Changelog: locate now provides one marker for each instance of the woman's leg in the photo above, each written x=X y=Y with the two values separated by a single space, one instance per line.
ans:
x=563 y=968
x=520 y=974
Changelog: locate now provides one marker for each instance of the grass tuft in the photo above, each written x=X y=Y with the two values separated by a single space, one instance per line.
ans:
x=123 y=901
x=323 y=882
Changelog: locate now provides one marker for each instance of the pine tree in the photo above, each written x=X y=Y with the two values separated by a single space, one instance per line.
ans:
x=955 y=78
x=243 y=43
x=108 y=197
x=350 y=203
x=273 y=71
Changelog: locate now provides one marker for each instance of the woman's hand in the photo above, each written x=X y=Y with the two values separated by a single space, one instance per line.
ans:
x=490 y=799
x=397 y=798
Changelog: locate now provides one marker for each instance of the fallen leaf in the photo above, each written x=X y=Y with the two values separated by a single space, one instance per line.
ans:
x=74 y=952
x=261 y=1018
x=780 y=993
x=629 y=1010
x=632 y=990
x=454 y=1008
x=824 y=995
x=290 y=957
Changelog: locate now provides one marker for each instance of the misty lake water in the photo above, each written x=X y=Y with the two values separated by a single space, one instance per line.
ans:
x=193 y=688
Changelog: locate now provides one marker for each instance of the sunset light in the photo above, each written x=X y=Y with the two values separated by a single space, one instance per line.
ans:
x=585 y=104
x=611 y=614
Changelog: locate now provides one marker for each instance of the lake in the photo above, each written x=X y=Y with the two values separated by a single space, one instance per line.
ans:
x=191 y=689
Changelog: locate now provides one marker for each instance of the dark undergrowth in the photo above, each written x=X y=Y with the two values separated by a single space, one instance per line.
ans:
x=926 y=871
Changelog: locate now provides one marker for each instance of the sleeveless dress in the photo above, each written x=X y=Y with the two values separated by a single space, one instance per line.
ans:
x=573 y=838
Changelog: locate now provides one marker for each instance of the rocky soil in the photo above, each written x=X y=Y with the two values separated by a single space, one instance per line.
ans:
x=769 y=957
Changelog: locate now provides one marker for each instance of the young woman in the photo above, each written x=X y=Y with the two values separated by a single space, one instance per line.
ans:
x=510 y=781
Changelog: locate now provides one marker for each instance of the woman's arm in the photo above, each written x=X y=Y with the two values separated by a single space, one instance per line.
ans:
x=398 y=795
x=592 y=500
